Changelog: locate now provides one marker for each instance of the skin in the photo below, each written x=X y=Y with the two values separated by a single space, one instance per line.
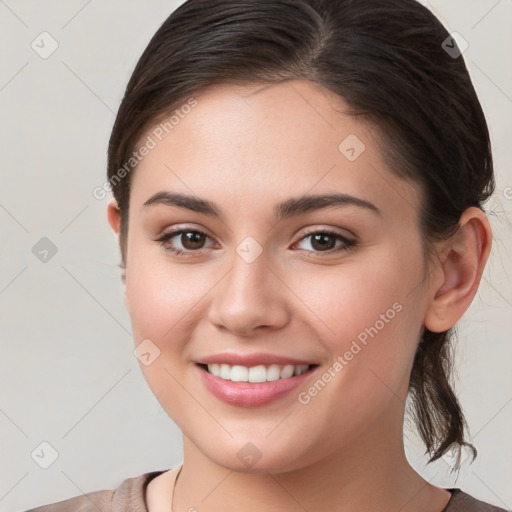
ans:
x=247 y=149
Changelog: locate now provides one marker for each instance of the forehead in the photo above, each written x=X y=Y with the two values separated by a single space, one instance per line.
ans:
x=259 y=142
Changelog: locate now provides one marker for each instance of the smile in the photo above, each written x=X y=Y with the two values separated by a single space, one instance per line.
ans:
x=260 y=373
x=253 y=386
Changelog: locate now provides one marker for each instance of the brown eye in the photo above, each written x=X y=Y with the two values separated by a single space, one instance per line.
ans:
x=323 y=242
x=326 y=242
x=192 y=240
x=184 y=241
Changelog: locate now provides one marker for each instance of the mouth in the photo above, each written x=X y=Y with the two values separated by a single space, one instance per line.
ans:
x=253 y=386
x=256 y=374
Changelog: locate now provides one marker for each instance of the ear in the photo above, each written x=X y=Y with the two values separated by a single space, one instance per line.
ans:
x=114 y=219
x=462 y=262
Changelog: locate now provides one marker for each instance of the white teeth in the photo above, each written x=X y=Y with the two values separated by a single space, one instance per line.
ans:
x=239 y=374
x=261 y=373
x=257 y=374
x=287 y=371
x=273 y=372
x=225 y=371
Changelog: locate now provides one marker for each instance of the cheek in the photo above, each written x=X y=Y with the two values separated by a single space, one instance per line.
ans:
x=349 y=298
x=161 y=295
x=162 y=303
x=367 y=314
x=369 y=327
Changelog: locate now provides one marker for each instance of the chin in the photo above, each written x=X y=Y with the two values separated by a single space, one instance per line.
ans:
x=263 y=455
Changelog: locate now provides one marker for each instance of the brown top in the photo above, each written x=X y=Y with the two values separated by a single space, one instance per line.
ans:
x=130 y=497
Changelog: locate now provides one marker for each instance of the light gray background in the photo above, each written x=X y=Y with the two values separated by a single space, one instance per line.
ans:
x=68 y=375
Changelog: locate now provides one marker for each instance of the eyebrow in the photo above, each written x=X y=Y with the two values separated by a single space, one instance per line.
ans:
x=288 y=208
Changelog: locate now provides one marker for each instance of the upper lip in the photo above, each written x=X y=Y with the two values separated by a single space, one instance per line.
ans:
x=259 y=358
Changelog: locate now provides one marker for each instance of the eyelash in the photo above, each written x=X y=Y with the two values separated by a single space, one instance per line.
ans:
x=347 y=242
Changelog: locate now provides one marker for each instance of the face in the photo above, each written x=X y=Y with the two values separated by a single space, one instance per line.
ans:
x=263 y=271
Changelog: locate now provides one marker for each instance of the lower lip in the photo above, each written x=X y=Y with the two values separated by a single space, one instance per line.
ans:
x=249 y=394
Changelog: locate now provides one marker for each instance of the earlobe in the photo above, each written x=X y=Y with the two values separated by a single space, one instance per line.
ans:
x=123 y=279
x=462 y=264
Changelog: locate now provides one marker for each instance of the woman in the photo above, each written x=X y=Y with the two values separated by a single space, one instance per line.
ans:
x=298 y=190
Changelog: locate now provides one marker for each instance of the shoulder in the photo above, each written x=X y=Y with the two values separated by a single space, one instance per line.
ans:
x=97 y=500
x=129 y=495
x=463 y=502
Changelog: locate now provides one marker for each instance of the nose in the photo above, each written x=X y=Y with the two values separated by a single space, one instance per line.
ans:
x=250 y=297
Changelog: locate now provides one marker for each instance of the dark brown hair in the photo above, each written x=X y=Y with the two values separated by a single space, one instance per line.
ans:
x=387 y=60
